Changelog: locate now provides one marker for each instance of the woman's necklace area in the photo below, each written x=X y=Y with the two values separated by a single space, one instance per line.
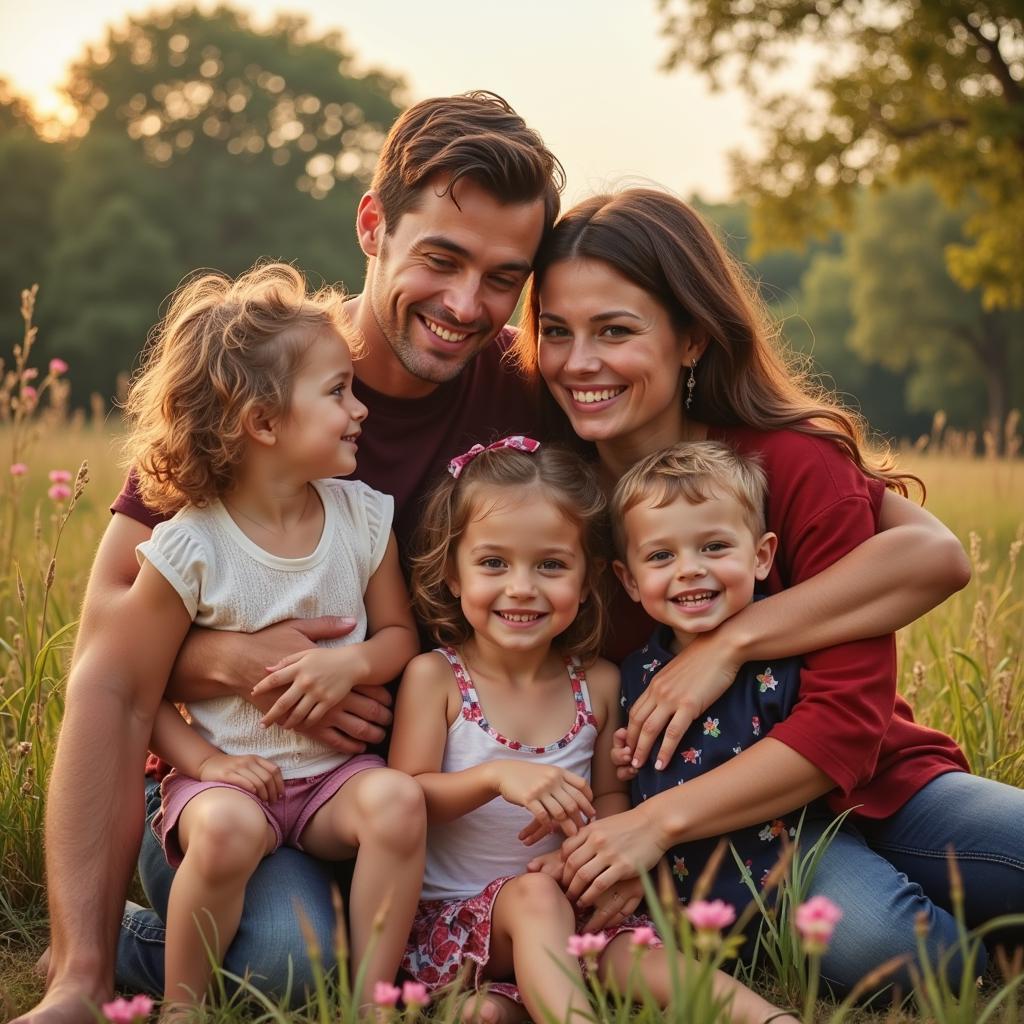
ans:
x=274 y=532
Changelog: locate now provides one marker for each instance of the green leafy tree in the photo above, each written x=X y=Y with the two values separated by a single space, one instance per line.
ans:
x=910 y=88
x=206 y=142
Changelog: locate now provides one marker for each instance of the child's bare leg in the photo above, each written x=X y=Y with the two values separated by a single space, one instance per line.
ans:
x=491 y=1008
x=530 y=929
x=381 y=814
x=654 y=971
x=225 y=835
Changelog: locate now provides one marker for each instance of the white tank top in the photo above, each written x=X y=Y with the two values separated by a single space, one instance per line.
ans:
x=464 y=856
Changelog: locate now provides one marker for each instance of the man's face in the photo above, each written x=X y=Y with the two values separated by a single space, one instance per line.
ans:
x=446 y=279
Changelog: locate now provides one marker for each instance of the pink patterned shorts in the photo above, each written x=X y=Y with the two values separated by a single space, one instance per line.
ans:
x=446 y=933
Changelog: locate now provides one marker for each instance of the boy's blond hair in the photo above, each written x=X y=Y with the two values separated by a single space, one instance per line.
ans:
x=223 y=348
x=694 y=471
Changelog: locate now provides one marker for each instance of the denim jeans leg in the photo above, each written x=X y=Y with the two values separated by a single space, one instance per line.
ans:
x=269 y=945
x=983 y=821
x=881 y=907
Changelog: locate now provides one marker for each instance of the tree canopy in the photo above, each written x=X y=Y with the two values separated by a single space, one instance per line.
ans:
x=905 y=89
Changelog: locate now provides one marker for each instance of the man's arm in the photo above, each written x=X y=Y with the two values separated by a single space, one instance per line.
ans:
x=127 y=641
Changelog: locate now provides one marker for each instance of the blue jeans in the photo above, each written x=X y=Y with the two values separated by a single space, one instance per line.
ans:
x=883 y=874
x=269 y=944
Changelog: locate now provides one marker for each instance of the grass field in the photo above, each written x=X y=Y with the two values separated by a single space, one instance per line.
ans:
x=960 y=665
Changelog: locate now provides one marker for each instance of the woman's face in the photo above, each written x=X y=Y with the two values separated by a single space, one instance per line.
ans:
x=611 y=357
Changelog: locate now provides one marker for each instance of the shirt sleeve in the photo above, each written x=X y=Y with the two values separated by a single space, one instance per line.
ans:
x=822 y=507
x=128 y=503
x=380 y=512
x=177 y=553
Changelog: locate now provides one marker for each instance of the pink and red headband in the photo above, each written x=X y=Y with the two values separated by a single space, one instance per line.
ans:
x=520 y=442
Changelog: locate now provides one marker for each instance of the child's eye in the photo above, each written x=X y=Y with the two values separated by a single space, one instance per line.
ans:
x=716 y=546
x=338 y=389
x=659 y=556
x=551 y=565
x=492 y=563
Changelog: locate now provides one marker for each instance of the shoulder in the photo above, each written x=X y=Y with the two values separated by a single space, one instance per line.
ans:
x=358 y=500
x=603 y=683
x=189 y=529
x=428 y=682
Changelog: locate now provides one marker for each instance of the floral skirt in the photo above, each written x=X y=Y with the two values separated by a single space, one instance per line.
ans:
x=447 y=933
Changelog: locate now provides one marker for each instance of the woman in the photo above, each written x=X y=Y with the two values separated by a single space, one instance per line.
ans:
x=646 y=334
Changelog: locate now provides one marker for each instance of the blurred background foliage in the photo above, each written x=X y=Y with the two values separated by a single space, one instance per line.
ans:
x=883 y=220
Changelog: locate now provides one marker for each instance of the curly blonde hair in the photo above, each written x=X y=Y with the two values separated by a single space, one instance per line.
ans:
x=565 y=480
x=223 y=348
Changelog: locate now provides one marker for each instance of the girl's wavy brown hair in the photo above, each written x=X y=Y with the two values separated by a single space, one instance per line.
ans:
x=565 y=480
x=223 y=348
x=744 y=377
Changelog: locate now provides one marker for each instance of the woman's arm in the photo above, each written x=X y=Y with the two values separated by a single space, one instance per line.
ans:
x=317 y=680
x=912 y=564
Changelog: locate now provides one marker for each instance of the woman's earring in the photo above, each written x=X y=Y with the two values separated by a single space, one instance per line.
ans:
x=691 y=383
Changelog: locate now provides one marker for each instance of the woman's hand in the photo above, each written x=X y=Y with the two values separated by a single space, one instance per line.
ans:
x=316 y=681
x=679 y=694
x=555 y=797
x=609 y=851
x=616 y=904
x=246 y=771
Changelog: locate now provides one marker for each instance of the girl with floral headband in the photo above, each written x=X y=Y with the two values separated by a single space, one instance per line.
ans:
x=508 y=728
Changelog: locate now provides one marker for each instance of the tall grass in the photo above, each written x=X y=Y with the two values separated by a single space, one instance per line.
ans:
x=960 y=667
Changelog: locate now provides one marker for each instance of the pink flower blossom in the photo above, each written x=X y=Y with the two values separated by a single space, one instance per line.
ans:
x=30 y=374
x=415 y=995
x=590 y=944
x=643 y=937
x=710 y=916
x=60 y=476
x=385 y=994
x=58 y=366
x=816 y=921
x=59 y=492
x=128 y=1011
x=18 y=469
x=29 y=394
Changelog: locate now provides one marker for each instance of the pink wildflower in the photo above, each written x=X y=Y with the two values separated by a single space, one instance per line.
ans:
x=128 y=1011
x=18 y=469
x=29 y=394
x=816 y=921
x=58 y=366
x=59 y=492
x=60 y=476
x=643 y=937
x=414 y=995
x=385 y=994
x=710 y=916
x=590 y=944
x=30 y=374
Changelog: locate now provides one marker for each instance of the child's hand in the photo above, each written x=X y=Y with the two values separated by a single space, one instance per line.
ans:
x=548 y=864
x=622 y=757
x=247 y=771
x=317 y=680
x=616 y=904
x=556 y=798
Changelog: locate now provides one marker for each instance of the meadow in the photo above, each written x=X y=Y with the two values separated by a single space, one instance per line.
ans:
x=960 y=666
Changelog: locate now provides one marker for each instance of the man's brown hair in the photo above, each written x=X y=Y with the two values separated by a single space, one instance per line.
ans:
x=475 y=135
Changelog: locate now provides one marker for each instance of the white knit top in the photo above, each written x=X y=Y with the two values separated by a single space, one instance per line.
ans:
x=465 y=855
x=228 y=582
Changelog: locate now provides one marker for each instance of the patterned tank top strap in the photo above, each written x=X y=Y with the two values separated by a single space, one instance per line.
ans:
x=470 y=700
x=580 y=690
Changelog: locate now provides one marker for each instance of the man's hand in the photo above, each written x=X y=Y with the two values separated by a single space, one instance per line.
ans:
x=616 y=904
x=360 y=719
x=250 y=772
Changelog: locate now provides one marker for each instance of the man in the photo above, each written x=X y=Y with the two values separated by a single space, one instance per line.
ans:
x=460 y=200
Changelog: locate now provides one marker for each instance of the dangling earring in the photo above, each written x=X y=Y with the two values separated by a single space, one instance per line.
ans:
x=691 y=383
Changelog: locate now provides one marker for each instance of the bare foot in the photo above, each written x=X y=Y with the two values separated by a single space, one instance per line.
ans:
x=64 y=1004
x=490 y=1008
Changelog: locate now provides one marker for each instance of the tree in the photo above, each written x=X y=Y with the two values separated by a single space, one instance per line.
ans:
x=205 y=142
x=911 y=88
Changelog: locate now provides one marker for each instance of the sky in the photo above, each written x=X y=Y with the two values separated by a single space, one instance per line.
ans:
x=584 y=73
